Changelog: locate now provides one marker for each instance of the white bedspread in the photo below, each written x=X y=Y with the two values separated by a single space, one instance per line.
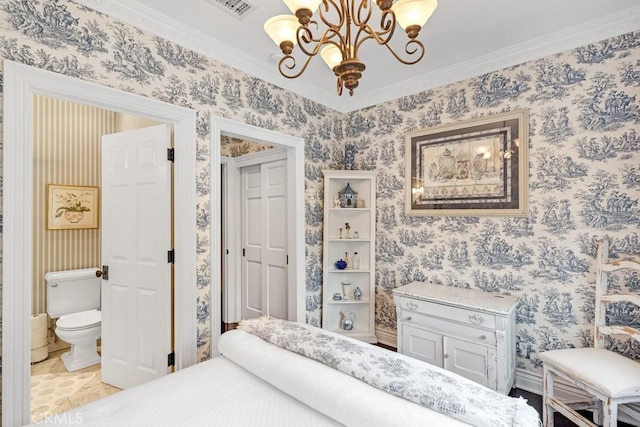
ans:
x=213 y=393
x=254 y=383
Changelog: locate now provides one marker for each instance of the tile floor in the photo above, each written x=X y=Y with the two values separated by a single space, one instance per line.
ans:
x=93 y=390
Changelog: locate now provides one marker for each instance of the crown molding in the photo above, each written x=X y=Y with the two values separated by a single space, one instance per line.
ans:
x=560 y=41
x=146 y=18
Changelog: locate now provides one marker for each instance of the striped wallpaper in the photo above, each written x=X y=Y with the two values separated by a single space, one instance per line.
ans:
x=67 y=151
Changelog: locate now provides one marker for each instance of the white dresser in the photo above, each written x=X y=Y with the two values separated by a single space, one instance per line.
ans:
x=469 y=332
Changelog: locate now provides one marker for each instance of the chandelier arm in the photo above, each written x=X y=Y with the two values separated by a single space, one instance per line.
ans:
x=337 y=9
x=381 y=37
x=333 y=28
x=328 y=36
x=282 y=64
x=356 y=16
x=388 y=25
x=410 y=50
x=387 y=29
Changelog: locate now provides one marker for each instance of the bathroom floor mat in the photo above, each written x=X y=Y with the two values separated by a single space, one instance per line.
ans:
x=50 y=391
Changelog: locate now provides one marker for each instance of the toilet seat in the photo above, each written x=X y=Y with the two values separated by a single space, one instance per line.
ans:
x=79 y=321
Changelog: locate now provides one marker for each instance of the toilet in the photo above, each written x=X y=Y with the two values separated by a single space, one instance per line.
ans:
x=73 y=297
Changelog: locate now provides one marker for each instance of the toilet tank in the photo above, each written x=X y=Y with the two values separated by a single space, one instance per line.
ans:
x=72 y=291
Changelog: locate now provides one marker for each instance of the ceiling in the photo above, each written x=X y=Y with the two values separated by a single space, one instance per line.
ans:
x=463 y=38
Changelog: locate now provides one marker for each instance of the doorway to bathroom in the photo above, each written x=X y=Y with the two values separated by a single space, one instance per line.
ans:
x=21 y=84
x=123 y=157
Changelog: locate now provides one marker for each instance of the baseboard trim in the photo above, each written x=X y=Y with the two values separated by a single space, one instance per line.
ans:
x=58 y=345
x=387 y=338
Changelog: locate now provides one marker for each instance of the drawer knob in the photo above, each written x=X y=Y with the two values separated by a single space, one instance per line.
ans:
x=412 y=305
x=483 y=337
x=476 y=319
x=407 y=319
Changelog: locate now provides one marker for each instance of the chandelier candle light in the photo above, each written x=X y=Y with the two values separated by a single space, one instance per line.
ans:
x=346 y=27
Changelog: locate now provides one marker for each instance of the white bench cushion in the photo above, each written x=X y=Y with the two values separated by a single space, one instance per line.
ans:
x=611 y=373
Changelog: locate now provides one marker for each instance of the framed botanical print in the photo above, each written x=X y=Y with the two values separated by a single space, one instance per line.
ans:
x=72 y=207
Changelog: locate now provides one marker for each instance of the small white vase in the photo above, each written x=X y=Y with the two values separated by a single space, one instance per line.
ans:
x=346 y=290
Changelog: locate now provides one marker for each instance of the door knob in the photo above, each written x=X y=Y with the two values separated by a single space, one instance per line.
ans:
x=446 y=356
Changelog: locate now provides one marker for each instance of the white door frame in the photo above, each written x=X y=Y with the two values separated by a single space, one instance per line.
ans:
x=294 y=147
x=21 y=83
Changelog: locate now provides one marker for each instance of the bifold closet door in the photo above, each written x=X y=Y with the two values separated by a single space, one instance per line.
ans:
x=264 y=240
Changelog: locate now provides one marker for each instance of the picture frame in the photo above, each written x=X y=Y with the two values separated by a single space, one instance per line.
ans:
x=474 y=168
x=72 y=207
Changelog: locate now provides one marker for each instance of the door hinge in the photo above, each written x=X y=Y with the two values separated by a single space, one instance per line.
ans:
x=171 y=256
x=227 y=251
x=244 y=252
x=171 y=154
x=287 y=259
x=105 y=272
x=171 y=359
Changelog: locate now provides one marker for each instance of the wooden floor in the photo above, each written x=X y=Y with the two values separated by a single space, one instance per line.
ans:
x=559 y=419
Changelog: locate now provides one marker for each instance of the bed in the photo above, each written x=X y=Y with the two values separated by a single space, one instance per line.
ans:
x=279 y=373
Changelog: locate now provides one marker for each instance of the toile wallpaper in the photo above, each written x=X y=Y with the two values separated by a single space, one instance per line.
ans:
x=584 y=163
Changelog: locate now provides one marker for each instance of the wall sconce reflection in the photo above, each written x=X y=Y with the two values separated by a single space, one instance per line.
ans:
x=417 y=187
x=507 y=154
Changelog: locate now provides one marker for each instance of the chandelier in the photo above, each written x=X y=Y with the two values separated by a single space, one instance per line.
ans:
x=346 y=27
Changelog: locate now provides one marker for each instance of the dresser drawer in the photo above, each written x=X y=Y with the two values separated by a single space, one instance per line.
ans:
x=461 y=315
x=446 y=327
x=466 y=331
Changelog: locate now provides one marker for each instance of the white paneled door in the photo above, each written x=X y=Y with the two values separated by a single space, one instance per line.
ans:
x=136 y=239
x=264 y=240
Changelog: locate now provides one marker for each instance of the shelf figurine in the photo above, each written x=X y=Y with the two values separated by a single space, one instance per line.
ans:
x=348 y=197
x=347 y=320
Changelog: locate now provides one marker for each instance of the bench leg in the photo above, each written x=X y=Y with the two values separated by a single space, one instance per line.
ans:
x=547 y=410
x=609 y=413
x=597 y=413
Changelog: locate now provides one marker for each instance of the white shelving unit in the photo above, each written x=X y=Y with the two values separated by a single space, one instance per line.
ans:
x=362 y=221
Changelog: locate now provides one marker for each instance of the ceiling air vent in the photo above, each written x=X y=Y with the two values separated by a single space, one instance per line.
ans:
x=237 y=8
